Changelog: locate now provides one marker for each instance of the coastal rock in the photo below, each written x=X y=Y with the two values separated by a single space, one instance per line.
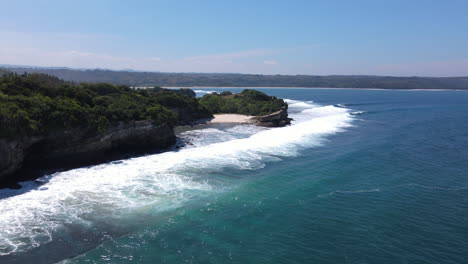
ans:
x=82 y=146
x=12 y=154
x=276 y=119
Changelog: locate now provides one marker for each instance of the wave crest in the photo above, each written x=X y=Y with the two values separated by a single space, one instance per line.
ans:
x=113 y=192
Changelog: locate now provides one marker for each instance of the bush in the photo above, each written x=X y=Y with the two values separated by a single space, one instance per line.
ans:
x=38 y=104
x=248 y=102
x=225 y=93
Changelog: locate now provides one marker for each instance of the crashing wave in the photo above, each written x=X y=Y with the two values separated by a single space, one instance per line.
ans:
x=113 y=192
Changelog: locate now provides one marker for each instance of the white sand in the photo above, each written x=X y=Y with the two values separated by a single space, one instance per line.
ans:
x=231 y=118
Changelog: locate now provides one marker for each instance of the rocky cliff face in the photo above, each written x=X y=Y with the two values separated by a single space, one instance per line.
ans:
x=276 y=119
x=12 y=154
x=82 y=146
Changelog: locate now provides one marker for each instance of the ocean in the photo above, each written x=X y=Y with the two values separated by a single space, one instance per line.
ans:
x=361 y=176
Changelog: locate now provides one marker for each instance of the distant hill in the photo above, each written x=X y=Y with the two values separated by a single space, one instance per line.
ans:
x=134 y=78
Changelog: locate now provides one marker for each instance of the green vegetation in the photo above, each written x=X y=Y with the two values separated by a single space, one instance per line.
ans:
x=248 y=102
x=3 y=72
x=250 y=80
x=38 y=104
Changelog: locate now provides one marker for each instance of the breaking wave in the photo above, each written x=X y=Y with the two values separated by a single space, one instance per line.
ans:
x=113 y=194
x=203 y=92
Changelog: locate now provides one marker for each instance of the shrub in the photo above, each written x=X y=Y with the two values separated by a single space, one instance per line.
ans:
x=39 y=104
x=248 y=102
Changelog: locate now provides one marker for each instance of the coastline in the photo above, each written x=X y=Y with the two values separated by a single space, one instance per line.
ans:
x=32 y=173
x=28 y=157
x=231 y=118
x=305 y=88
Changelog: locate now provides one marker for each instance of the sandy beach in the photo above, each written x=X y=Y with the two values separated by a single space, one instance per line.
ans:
x=231 y=118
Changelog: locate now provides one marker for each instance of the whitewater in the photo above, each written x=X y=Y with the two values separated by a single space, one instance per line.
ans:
x=90 y=205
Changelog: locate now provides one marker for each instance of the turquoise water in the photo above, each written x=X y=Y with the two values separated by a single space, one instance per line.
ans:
x=362 y=176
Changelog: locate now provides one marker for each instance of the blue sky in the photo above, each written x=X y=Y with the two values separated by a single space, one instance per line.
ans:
x=404 y=38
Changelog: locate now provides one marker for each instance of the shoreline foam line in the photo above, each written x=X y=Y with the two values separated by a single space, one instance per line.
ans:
x=80 y=198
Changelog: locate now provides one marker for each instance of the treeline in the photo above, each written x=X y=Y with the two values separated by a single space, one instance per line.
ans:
x=248 y=102
x=39 y=104
x=250 y=80
x=36 y=104
x=3 y=72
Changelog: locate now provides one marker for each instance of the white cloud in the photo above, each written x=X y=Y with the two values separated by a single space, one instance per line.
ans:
x=240 y=61
x=153 y=59
x=270 y=62
x=227 y=57
x=70 y=58
x=77 y=50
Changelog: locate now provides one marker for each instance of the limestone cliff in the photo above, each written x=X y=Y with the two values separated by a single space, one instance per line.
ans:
x=81 y=146
x=276 y=119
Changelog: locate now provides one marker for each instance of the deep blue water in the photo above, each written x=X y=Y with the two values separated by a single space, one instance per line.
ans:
x=363 y=176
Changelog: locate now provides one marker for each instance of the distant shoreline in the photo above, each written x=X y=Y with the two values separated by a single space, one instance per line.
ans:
x=224 y=80
x=288 y=87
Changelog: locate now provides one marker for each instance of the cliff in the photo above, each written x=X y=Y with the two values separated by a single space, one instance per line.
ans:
x=46 y=123
x=81 y=146
x=276 y=119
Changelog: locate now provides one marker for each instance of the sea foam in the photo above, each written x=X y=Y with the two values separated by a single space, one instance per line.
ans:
x=114 y=191
x=202 y=92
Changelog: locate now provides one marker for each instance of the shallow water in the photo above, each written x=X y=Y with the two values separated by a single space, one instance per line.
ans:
x=362 y=176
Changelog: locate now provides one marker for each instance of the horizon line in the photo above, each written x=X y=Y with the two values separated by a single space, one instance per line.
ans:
x=7 y=66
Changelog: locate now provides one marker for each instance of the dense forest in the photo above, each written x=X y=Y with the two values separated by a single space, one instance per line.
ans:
x=49 y=123
x=37 y=104
x=249 y=80
x=248 y=102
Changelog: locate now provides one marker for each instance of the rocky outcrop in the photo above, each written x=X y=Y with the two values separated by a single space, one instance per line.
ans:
x=276 y=119
x=12 y=154
x=82 y=146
